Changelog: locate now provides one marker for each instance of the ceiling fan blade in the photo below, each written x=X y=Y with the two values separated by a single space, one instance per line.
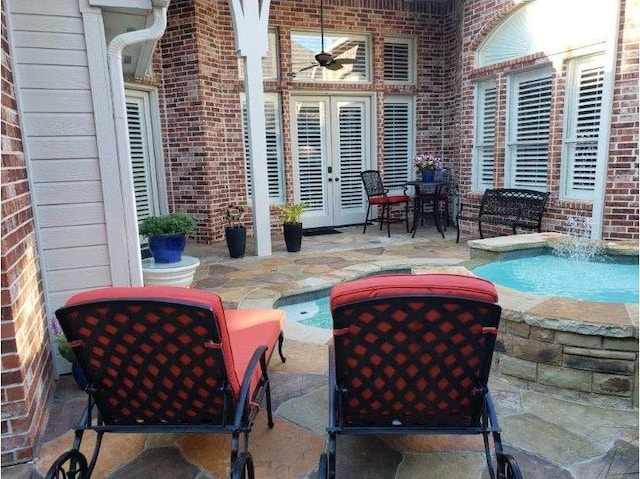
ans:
x=346 y=61
x=315 y=65
x=334 y=65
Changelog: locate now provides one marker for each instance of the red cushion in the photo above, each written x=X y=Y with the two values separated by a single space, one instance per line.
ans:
x=378 y=200
x=249 y=329
x=440 y=284
x=173 y=293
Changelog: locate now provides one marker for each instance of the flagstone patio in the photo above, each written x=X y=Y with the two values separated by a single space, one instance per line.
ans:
x=550 y=436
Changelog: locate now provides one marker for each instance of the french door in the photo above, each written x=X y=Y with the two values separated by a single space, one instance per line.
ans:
x=331 y=143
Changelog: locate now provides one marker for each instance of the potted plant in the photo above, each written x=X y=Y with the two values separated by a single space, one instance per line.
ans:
x=166 y=235
x=67 y=353
x=292 y=224
x=235 y=233
x=426 y=166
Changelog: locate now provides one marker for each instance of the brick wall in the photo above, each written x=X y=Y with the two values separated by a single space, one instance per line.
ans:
x=203 y=139
x=479 y=17
x=26 y=374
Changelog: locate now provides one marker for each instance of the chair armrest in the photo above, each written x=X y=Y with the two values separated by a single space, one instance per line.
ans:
x=258 y=359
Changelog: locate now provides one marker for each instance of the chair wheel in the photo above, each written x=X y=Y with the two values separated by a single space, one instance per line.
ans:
x=508 y=467
x=76 y=465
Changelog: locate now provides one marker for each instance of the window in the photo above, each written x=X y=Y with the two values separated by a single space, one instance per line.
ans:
x=350 y=51
x=582 y=125
x=273 y=132
x=269 y=63
x=528 y=122
x=399 y=60
x=485 y=135
x=399 y=140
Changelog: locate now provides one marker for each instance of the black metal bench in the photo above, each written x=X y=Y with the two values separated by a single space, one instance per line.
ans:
x=512 y=207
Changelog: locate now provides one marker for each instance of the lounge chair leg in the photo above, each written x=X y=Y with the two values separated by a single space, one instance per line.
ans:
x=242 y=468
x=280 y=341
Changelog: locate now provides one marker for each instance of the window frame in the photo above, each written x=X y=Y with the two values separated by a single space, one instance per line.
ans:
x=272 y=59
x=479 y=146
x=315 y=35
x=275 y=98
x=410 y=101
x=514 y=80
x=569 y=137
x=411 y=59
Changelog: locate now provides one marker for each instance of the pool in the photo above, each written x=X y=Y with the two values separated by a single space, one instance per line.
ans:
x=312 y=310
x=611 y=281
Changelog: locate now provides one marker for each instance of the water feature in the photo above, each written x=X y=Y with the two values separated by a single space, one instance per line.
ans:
x=577 y=244
x=575 y=267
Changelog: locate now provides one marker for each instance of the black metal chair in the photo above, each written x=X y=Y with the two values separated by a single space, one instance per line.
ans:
x=411 y=355
x=377 y=195
x=168 y=360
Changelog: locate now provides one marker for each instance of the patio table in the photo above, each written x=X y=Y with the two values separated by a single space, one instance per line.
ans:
x=425 y=194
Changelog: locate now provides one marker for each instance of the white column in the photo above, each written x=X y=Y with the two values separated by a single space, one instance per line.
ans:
x=250 y=22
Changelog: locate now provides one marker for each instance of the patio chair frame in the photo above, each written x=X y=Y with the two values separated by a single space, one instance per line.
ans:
x=345 y=399
x=199 y=403
x=377 y=195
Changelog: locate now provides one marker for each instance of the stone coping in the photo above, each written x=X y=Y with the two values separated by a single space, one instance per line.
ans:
x=560 y=314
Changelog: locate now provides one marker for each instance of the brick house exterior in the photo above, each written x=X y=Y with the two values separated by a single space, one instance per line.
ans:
x=203 y=88
x=27 y=369
x=199 y=90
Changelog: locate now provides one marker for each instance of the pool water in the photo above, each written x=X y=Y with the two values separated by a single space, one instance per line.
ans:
x=549 y=275
x=310 y=313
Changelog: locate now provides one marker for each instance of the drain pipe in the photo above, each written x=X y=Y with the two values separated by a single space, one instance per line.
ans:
x=114 y=61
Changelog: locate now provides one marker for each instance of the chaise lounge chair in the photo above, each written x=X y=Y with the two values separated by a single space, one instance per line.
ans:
x=168 y=359
x=411 y=355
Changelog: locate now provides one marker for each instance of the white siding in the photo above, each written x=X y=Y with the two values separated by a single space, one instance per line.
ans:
x=56 y=108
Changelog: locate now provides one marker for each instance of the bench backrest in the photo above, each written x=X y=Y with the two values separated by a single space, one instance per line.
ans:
x=523 y=204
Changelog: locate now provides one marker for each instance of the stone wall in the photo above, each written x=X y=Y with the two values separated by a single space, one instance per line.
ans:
x=602 y=369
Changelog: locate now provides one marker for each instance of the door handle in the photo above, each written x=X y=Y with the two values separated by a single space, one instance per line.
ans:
x=337 y=179
x=329 y=179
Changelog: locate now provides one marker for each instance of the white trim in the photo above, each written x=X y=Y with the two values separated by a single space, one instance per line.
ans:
x=572 y=89
x=606 y=111
x=156 y=139
x=411 y=60
x=114 y=60
x=105 y=138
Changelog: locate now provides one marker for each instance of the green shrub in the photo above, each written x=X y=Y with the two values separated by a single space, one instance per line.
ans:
x=173 y=223
x=292 y=213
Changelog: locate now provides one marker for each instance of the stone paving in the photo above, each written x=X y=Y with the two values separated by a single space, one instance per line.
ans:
x=550 y=437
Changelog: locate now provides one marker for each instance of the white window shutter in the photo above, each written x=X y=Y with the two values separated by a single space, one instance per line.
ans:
x=485 y=135
x=139 y=158
x=582 y=127
x=399 y=141
x=309 y=118
x=273 y=133
x=351 y=145
x=398 y=60
x=529 y=122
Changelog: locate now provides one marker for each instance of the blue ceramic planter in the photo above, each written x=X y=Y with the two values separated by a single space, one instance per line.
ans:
x=428 y=176
x=167 y=248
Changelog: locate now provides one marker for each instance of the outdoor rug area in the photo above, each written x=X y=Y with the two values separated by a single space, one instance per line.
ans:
x=320 y=231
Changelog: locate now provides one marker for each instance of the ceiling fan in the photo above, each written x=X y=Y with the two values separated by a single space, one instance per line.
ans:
x=324 y=59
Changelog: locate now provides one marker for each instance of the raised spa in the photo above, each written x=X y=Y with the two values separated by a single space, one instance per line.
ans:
x=607 y=280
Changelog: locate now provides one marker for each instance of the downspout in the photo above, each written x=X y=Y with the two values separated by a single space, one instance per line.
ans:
x=114 y=61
